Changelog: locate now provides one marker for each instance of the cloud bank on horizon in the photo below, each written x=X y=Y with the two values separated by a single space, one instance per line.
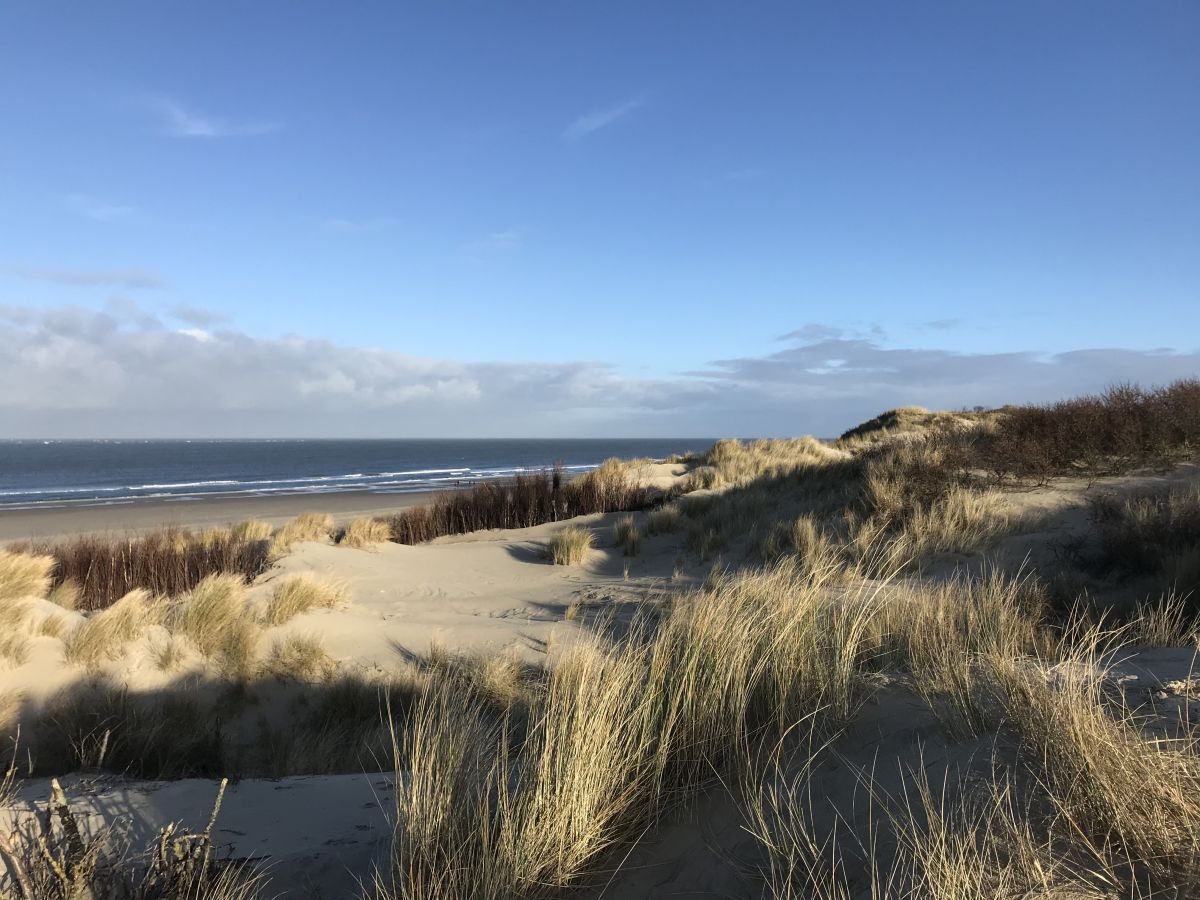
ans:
x=130 y=371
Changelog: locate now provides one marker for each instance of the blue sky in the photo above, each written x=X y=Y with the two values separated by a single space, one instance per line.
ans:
x=536 y=218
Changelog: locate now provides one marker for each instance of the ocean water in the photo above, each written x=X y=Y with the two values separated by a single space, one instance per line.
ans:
x=97 y=472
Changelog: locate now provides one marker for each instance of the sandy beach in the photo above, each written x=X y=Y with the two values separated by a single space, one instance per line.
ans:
x=197 y=512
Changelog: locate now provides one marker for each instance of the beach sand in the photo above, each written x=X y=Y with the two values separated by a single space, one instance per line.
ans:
x=196 y=512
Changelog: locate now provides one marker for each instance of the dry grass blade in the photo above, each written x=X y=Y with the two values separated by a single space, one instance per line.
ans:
x=103 y=635
x=298 y=594
x=571 y=546
x=23 y=575
x=214 y=616
x=309 y=526
x=363 y=533
x=299 y=657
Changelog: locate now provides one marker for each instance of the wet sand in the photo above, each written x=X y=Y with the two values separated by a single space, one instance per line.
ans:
x=140 y=515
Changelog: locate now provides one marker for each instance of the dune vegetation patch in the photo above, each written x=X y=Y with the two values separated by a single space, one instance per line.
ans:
x=523 y=502
x=104 y=635
x=570 y=546
x=101 y=569
x=309 y=526
x=298 y=594
x=24 y=575
x=215 y=618
x=627 y=536
x=365 y=532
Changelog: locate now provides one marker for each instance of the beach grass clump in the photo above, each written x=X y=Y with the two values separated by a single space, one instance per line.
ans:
x=298 y=594
x=251 y=530
x=66 y=594
x=103 y=635
x=167 y=563
x=24 y=575
x=14 y=641
x=309 y=526
x=1135 y=794
x=365 y=532
x=214 y=616
x=571 y=546
x=664 y=520
x=733 y=462
x=53 y=625
x=1155 y=534
x=299 y=657
x=627 y=536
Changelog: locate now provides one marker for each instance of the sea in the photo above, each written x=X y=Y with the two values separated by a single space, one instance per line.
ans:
x=69 y=473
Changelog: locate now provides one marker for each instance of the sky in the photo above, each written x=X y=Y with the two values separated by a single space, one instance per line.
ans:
x=587 y=219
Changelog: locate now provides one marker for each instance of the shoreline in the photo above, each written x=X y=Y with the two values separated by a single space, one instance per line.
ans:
x=197 y=512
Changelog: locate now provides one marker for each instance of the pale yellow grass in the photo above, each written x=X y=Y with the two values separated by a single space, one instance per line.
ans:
x=53 y=626
x=299 y=657
x=23 y=575
x=298 y=594
x=309 y=526
x=251 y=530
x=66 y=594
x=616 y=732
x=215 y=617
x=365 y=532
x=104 y=635
x=571 y=546
x=733 y=462
x=1132 y=794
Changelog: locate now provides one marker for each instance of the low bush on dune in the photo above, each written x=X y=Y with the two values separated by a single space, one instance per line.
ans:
x=1124 y=428
x=170 y=562
x=522 y=502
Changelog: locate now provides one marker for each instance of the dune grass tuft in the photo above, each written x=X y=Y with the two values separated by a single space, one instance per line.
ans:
x=214 y=616
x=363 y=533
x=251 y=530
x=664 y=520
x=24 y=575
x=298 y=594
x=571 y=546
x=309 y=526
x=627 y=536
x=103 y=635
x=299 y=657
x=67 y=594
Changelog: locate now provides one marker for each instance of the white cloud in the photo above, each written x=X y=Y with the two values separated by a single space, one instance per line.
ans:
x=597 y=119
x=180 y=121
x=71 y=371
